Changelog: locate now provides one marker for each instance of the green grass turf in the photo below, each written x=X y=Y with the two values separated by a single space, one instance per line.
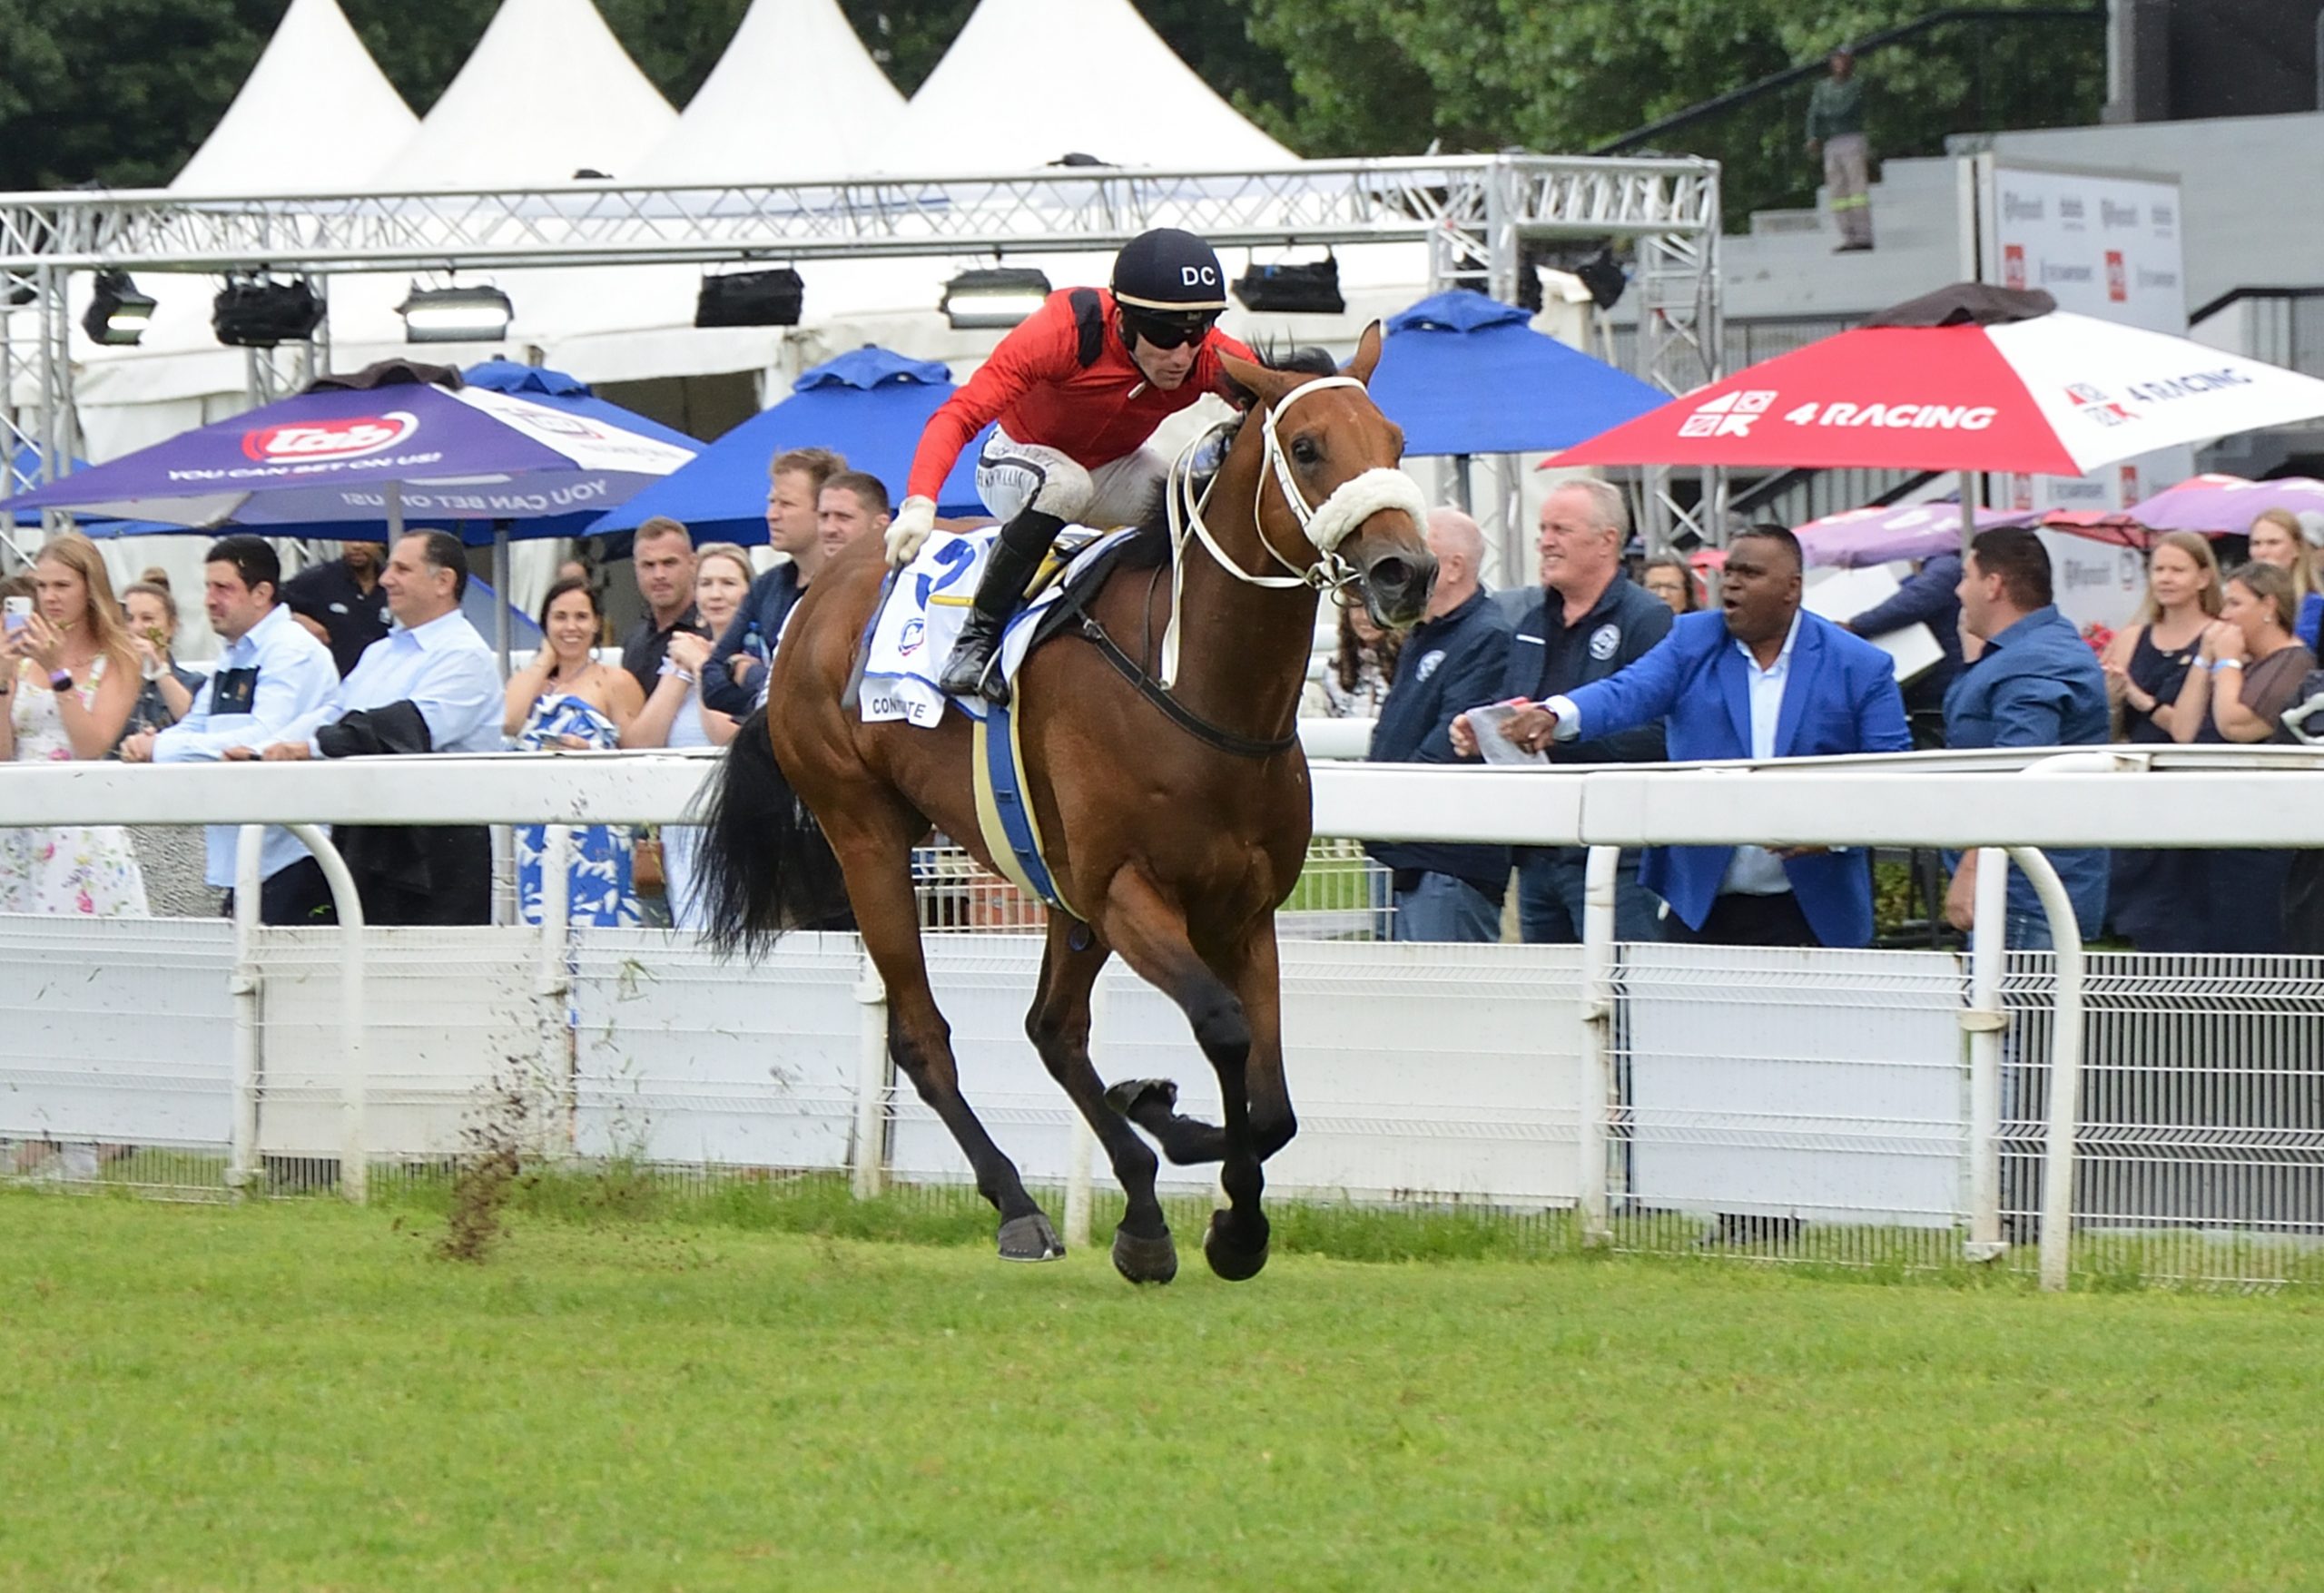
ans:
x=299 y=1395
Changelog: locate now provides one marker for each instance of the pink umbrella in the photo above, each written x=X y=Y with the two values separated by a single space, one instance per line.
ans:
x=1856 y=538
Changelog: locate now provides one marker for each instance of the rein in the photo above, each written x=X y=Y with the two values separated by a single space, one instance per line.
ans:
x=1325 y=524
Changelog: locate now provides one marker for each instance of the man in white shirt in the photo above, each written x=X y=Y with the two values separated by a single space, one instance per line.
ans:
x=272 y=673
x=430 y=685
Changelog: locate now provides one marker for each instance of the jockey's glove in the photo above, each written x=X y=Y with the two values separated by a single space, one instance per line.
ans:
x=915 y=518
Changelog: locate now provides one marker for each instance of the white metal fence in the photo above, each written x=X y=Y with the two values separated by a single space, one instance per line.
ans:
x=1847 y=1105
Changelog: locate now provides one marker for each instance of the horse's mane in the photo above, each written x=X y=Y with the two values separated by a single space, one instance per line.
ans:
x=1150 y=546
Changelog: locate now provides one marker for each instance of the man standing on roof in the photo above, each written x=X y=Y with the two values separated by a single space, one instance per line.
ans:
x=1835 y=126
x=1078 y=389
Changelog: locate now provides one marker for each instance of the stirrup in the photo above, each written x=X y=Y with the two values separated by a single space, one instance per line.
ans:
x=974 y=667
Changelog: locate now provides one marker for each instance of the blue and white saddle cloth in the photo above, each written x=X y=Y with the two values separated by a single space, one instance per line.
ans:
x=917 y=627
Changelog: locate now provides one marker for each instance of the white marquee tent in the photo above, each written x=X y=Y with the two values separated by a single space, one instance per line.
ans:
x=547 y=91
x=1029 y=82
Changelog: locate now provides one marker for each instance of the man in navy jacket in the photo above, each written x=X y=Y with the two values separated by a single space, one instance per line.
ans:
x=1588 y=620
x=1451 y=660
x=1761 y=679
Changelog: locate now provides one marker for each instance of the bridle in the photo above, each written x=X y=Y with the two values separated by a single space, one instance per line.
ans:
x=1325 y=524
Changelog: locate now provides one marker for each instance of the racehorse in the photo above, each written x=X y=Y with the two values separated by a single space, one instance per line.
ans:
x=1177 y=821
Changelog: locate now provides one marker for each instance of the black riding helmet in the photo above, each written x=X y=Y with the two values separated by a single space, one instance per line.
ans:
x=1169 y=281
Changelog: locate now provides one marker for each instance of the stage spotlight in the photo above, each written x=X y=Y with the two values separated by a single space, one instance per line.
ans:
x=996 y=297
x=750 y=298
x=454 y=315
x=1603 y=278
x=118 y=313
x=1310 y=289
x=255 y=312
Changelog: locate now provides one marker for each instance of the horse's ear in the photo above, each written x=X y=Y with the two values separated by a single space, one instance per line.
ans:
x=1268 y=386
x=1367 y=355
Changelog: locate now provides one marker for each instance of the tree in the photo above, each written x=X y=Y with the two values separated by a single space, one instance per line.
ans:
x=1388 y=76
x=118 y=92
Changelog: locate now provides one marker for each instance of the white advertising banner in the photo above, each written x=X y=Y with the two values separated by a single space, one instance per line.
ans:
x=2106 y=244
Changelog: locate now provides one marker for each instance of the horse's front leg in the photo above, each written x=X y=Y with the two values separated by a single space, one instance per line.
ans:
x=1150 y=932
x=1258 y=980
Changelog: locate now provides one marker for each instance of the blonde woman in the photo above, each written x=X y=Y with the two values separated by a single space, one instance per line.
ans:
x=2147 y=662
x=69 y=677
x=2277 y=539
x=675 y=714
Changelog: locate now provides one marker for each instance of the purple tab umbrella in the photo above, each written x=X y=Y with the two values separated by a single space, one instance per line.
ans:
x=372 y=454
x=392 y=441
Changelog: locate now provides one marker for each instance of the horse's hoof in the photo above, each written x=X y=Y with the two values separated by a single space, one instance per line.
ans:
x=1133 y=1095
x=1228 y=1258
x=1029 y=1238
x=1144 y=1261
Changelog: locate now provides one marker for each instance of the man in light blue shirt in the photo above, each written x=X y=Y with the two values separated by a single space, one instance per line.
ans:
x=430 y=685
x=272 y=674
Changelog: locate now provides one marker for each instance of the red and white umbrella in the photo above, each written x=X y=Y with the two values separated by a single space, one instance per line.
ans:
x=1969 y=378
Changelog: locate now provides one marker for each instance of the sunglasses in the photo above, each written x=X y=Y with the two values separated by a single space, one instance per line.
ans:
x=1169 y=334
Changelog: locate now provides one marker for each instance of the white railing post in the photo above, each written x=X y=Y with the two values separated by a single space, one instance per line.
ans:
x=354 y=1144
x=2065 y=1067
x=1597 y=1081
x=553 y=980
x=1078 y=1195
x=242 y=1154
x=867 y=1153
x=1986 y=1021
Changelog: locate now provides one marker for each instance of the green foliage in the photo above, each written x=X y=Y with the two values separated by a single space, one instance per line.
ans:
x=1387 y=76
x=118 y=92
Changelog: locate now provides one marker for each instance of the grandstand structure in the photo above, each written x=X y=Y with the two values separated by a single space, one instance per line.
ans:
x=1474 y=216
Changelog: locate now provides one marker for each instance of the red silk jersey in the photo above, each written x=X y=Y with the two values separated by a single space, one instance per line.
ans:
x=1035 y=386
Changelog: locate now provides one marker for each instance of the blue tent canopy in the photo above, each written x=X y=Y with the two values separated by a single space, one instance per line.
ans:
x=1465 y=374
x=868 y=404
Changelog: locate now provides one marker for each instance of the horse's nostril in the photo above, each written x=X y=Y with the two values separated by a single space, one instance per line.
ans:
x=1390 y=574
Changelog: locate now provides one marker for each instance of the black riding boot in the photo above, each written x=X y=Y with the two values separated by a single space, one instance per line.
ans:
x=974 y=665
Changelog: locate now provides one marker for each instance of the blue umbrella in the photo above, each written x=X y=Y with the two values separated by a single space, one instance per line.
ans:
x=1464 y=374
x=870 y=404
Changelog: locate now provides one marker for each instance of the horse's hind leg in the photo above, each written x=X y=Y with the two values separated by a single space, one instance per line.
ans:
x=874 y=849
x=1059 y=1027
x=1150 y=933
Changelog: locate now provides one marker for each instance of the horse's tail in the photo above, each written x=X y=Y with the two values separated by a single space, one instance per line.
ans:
x=762 y=865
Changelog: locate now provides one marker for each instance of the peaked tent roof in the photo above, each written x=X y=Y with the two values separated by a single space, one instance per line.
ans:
x=1018 y=90
x=315 y=76
x=547 y=91
x=830 y=116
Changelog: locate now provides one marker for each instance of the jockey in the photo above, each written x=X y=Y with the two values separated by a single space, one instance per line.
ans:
x=1078 y=389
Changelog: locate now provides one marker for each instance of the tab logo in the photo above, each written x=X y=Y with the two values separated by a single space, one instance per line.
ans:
x=307 y=441
x=2093 y=402
x=1729 y=414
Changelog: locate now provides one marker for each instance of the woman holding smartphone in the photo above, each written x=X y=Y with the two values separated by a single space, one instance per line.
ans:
x=70 y=677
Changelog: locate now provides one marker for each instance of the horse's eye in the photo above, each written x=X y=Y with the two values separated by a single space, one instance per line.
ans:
x=1304 y=452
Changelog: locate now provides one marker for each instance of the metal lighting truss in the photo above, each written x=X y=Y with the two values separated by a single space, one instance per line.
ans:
x=1476 y=213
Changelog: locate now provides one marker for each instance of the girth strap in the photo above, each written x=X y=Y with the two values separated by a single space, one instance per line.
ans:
x=1177 y=712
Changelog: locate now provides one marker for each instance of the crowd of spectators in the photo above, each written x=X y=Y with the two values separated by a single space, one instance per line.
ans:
x=371 y=654
x=1601 y=662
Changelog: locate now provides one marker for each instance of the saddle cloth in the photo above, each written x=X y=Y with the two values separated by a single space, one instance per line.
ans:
x=915 y=629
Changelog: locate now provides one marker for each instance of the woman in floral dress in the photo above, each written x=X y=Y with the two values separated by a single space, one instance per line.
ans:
x=71 y=678
x=565 y=700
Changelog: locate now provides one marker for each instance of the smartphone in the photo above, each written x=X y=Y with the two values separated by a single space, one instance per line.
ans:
x=19 y=610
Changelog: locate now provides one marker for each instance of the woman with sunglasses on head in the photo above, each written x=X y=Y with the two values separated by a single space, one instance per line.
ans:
x=1078 y=389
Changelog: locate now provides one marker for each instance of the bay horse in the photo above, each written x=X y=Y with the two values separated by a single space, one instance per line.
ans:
x=1177 y=821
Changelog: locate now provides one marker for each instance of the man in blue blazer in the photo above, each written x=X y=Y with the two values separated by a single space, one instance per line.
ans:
x=1759 y=678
